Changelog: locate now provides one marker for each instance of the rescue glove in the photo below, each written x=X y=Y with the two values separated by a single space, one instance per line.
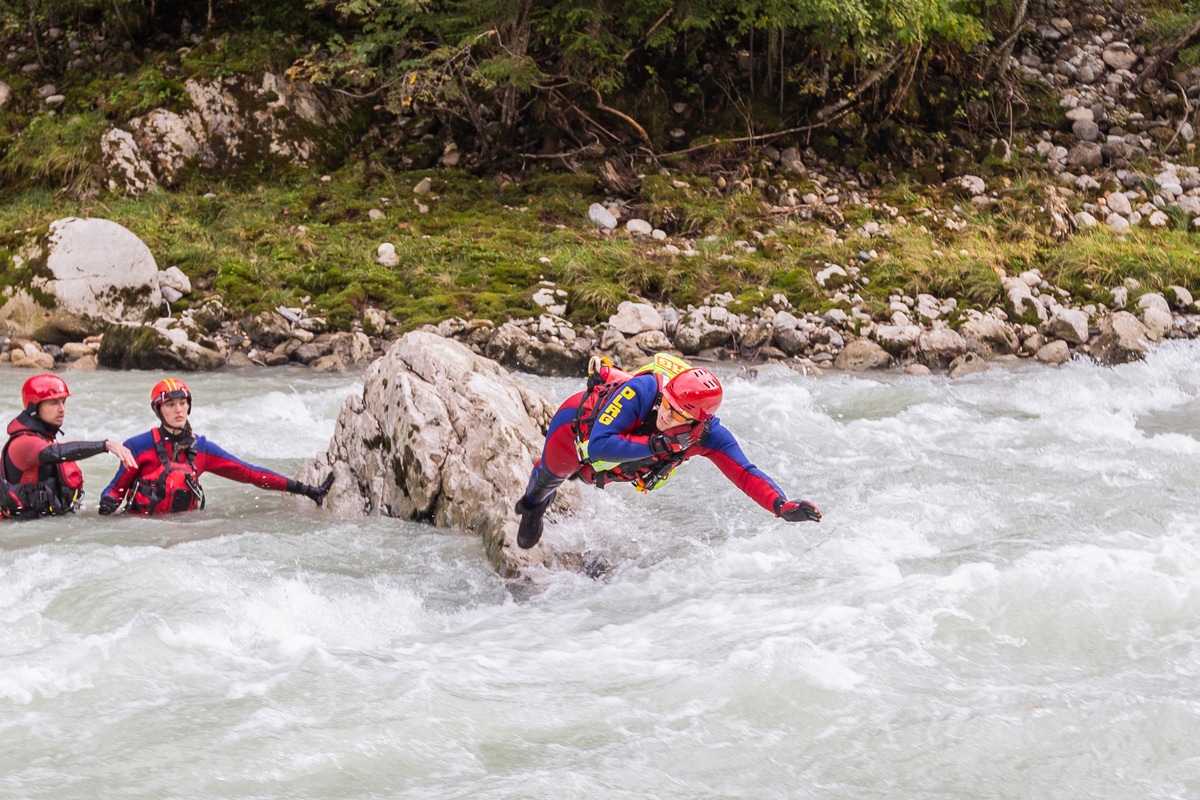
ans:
x=663 y=445
x=108 y=505
x=314 y=493
x=793 y=511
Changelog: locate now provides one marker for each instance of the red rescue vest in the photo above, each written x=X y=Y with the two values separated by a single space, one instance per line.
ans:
x=43 y=489
x=172 y=485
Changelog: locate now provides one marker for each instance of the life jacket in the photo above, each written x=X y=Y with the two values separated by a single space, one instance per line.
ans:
x=606 y=384
x=43 y=489
x=173 y=485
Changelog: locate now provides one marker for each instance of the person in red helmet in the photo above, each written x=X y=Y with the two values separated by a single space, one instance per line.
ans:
x=169 y=460
x=40 y=476
x=638 y=429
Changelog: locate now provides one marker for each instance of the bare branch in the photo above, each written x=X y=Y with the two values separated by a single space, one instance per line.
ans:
x=1167 y=56
x=855 y=94
x=653 y=28
x=628 y=119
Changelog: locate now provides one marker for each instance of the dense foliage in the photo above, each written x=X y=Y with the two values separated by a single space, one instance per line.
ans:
x=566 y=75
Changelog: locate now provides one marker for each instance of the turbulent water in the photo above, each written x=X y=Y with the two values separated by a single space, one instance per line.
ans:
x=1002 y=602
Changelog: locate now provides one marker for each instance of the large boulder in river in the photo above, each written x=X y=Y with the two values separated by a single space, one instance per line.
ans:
x=440 y=434
x=76 y=278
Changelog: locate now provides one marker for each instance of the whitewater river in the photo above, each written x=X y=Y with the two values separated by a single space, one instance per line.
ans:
x=1002 y=602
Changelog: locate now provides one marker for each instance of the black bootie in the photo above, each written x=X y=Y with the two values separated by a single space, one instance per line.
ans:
x=543 y=485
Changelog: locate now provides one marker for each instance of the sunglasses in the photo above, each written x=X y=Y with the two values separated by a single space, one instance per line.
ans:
x=679 y=416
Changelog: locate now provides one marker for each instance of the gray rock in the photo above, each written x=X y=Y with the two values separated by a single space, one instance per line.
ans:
x=1054 y=353
x=967 y=364
x=90 y=274
x=385 y=255
x=634 y=318
x=133 y=346
x=1085 y=156
x=897 y=339
x=5 y=94
x=862 y=354
x=1068 y=324
x=231 y=121
x=1021 y=299
x=792 y=341
x=1086 y=130
x=1118 y=203
x=939 y=347
x=639 y=227
x=1122 y=339
x=1180 y=298
x=989 y=337
x=1158 y=322
x=1117 y=223
x=444 y=435
x=705 y=327
x=602 y=216
x=1119 y=55
x=175 y=278
x=1154 y=300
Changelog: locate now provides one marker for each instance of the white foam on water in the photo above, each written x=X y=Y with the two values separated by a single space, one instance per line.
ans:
x=1001 y=601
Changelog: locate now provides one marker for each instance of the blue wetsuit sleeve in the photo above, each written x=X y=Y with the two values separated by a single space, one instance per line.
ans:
x=634 y=403
x=719 y=447
x=211 y=458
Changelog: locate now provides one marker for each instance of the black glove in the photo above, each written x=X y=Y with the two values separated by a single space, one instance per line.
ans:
x=793 y=511
x=663 y=445
x=314 y=493
x=108 y=505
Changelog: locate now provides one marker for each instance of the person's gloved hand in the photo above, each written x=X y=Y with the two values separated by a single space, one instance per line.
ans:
x=663 y=445
x=793 y=511
x=108 y=505
x=314 y=493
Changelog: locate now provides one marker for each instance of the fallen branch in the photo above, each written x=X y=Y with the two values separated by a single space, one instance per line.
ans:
x=1167 y=56
x=628 y=119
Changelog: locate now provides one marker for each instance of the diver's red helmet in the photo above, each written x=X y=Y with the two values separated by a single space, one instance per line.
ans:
x=169 y=389
x=42 y=387
x=696 y=392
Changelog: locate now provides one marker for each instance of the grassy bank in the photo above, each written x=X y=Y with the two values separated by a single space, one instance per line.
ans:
x=480 y=246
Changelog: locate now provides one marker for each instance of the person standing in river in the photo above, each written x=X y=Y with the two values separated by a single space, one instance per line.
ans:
x=169 y=460
x=639 y=429
x=40 y=476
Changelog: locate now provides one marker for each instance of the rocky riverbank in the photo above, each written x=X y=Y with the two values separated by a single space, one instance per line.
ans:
x=1112 y=161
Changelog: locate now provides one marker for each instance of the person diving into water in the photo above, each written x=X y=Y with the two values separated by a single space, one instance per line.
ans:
x=638 y=429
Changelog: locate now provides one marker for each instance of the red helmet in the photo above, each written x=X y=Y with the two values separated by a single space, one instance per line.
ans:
x=695 y=391
x=169 y=389
x=43 y=387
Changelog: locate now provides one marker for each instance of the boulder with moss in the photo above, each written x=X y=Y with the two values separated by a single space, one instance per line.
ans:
x=76 y=277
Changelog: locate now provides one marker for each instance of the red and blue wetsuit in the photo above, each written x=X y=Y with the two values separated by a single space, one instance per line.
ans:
x=624 y=438
x=168 y=472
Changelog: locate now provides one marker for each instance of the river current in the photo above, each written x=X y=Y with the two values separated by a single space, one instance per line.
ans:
x=1003 y=601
